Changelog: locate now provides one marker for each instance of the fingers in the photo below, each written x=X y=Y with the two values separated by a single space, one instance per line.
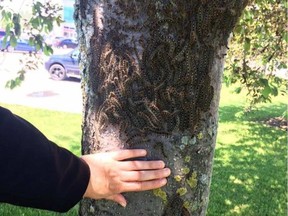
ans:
x=129 y=176
x=112 y=174
x=141 y=165
x=136 y=165
x=136 y=186
x=129 y=153
x=118 y=198
x=145 y=185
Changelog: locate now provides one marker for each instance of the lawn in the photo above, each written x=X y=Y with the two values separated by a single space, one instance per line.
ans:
x=250 y=165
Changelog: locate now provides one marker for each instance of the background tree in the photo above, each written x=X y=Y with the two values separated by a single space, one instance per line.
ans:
x=36 y=24
x=258 y=50
x=152 y=74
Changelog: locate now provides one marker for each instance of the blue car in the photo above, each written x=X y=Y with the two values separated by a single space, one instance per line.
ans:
x=61 y=67
x=66 y=43
x=2 y=34
x=21 y=46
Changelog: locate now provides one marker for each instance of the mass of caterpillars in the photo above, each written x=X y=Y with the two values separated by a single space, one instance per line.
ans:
x=171 y=86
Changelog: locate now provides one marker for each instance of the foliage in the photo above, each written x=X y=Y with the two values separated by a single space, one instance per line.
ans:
x=257 y=50
x=42 y=19
x=28 y=62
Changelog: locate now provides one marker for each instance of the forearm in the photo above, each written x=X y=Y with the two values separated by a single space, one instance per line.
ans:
x=34 y=171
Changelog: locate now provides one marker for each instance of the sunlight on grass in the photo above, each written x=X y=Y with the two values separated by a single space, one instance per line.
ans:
x=250 y=161
x=62 y=128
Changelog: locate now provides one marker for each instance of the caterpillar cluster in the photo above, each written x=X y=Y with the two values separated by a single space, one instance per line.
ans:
x=166 y=86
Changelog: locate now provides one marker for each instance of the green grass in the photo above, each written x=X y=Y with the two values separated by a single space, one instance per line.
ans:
x=250 y=164
x=62 y=128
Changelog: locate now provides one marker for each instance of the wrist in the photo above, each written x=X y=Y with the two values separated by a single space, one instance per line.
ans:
x=87 y=193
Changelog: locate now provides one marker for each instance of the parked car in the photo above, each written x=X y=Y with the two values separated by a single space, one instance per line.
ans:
x=62 y=66
x=2 y=34
x=55 y=40
x=21 y=46
x=66 y=43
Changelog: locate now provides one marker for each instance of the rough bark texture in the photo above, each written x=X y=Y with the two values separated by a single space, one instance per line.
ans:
x=151 y=79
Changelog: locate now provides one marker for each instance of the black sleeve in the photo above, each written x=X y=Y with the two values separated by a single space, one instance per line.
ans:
x=35 y=172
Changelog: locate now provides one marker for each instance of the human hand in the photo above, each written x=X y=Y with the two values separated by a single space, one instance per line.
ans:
x=110 y=175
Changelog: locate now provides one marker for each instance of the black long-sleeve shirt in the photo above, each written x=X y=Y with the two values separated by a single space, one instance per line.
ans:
x=35 y=172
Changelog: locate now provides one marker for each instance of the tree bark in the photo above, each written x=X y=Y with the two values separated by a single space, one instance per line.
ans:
x=151 y=79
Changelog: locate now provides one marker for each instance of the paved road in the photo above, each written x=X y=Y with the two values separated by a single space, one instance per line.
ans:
x=38 y=90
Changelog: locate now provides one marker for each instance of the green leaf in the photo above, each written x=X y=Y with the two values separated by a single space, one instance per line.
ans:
x=274 y=90
x=47 y=50
x=3 y=13
x=4 y=42
x=13 y=41
x=17 y=29
x=248 y=16
x=247 y=44
x=266 y=91
x=6 y=15
x=8 y=30
x=285 y=36
x=31 y=41
x=264 y=82
x=49 y=26
x=238 y=90
x=35 y=22
x=59 y=20
x=13 y=83
x=239 y=29
x=38 y=46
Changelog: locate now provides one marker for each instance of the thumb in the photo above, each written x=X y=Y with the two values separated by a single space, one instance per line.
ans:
x=118 y=198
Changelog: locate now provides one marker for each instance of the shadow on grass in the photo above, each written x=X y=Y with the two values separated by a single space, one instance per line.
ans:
x=236 y=113
x=249 y=175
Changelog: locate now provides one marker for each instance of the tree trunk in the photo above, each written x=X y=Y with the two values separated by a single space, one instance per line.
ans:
x=151 y=79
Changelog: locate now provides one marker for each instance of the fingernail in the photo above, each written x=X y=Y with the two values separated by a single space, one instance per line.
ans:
x=123 y=204
x=164 y=181
x=168 y=171
x=144 y=152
